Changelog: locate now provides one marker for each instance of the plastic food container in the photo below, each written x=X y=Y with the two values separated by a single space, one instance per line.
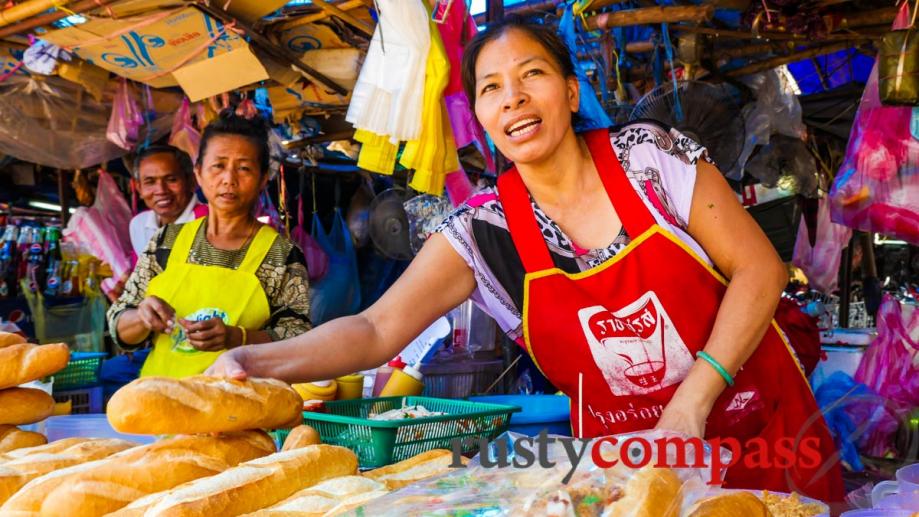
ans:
x=537 y=412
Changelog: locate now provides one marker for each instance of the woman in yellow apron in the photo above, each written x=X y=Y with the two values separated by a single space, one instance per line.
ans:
x=218 y=282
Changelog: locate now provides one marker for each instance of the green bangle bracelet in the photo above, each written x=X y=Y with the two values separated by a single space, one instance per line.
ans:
x=717 y=366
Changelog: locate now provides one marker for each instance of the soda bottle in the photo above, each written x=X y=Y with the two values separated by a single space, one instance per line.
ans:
x=71 y=285
x=54 y=262
x=34 y=270
x=8 y=261
x=22 y=252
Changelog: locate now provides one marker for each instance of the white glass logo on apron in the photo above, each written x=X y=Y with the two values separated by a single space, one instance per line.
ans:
x=637 y=348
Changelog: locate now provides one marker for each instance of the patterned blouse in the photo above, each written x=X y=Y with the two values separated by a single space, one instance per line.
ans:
x=282 y=275
x=661 y=165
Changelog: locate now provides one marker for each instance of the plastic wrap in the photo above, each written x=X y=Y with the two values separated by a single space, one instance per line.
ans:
x=317 y=261
x=185 y=135
x=478 y=490
x=126 y=119
x=776 y=110
x=820 y=262
x=338 y=293
x=878 y=183
x=54 y=122
x=890 y=367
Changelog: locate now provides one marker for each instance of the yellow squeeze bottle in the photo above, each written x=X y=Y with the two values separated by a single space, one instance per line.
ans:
x=319 y=390
x=405 y=382
x=350 y=387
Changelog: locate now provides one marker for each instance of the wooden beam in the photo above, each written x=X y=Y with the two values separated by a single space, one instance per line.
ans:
x=867 y=18
x=651 y=15
x=276 y=51
x=808 y=53
x=361 y=27
x=318 y=139
x=522 y=9
x=46 y=19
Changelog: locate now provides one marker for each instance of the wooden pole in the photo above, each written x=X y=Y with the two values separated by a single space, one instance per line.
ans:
x=868 y=18
x=771 y=63
x=358 y=25
x=651 y=15
x=318 y=139
x=46 y=19
x=494 y=10
x=62 y=197
x=519 y=9
x=276 y=51
x=845 y=290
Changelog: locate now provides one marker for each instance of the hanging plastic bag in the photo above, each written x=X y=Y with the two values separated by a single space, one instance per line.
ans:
x=898 y=60
x=184 y=134
x=890 y=367
x=878 y=183
x=126 y=119
x=836 y=395
x=317 y=261
x=339 y=292
x=820 y=261
x=102 y=229
x=590 y=113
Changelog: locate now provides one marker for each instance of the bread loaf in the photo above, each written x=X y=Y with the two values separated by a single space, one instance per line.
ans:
x=14 y=474
x=24 y=362
x=104 y=486
x=12 y=438
x=729 y=505
x=321 y=499
x=201 y=404
x=21 y=406
x=650 y=492
x=250 y=486
x=424 y=465
x=301 y=436
x=8 y=338
x=50 y=448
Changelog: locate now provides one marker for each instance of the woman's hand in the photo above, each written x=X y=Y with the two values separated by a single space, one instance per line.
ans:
x=156 y=314
x=210 y=335
x=230 y=365
x=680 y=418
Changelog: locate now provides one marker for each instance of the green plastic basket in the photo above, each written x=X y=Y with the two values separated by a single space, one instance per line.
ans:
x=380 y=443
x=82 y=371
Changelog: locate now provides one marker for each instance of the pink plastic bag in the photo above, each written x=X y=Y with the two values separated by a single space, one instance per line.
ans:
x=184 y=134
x=890 y=367
x=821 y=262
x=126 y=119
x=317 y=260
x=878 y=184
x=102 y=229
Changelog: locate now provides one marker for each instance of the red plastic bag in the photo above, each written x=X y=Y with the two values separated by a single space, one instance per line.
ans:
x=820 y=262
x=317 y=260
x=890 y=367
x=878 y=184
x=126 y=119
x=184 y=134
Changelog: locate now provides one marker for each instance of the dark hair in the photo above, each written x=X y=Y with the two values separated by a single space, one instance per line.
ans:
x=229 y=123
x=543 y=34
x=180 y=156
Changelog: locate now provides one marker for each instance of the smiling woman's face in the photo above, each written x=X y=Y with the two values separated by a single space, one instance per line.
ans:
x=522 y=98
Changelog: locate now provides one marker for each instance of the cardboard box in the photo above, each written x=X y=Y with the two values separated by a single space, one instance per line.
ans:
x=151 y=47
x=339 y=65
x=91 y=77
x=312 y=36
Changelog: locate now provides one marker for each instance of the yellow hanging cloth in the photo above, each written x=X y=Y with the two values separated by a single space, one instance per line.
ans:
x=377 y=154
x=433 y=155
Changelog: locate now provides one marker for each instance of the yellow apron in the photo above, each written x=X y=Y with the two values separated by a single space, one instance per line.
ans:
x=234 y=294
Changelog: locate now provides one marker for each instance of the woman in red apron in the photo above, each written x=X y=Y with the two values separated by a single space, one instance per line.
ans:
x=652 y=337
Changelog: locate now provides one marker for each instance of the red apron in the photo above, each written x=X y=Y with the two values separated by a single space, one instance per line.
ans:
x=628 y=330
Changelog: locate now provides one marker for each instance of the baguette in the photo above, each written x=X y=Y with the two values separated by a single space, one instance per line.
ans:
x=104 y=486
x=25 y=362
x=12 y=438
x=301 y=436
x=729 y=505
x=15 y=474
x=334 y=494
x=201 y=404
x=425 y=465
x=250 y=486
x=8 y=338
x=21 y=406
x=50 y=448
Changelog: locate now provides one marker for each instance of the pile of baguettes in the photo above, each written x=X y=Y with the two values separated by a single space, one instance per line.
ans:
x=20 y=363
x=216 y=462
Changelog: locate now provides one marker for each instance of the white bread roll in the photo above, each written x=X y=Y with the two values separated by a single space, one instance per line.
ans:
x=14 y=474
x=650 y=492
x=22 y=406
x=104 y=486
x=250 y=486
x=8 y=338
x=12 y=438
x=301 y=436
x=201 y=404
x=50 y=448
x=24 y=362
x=325 y=497
x=422 y=466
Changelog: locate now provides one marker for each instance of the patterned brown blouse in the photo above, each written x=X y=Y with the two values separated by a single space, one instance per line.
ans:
x=282 y=275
